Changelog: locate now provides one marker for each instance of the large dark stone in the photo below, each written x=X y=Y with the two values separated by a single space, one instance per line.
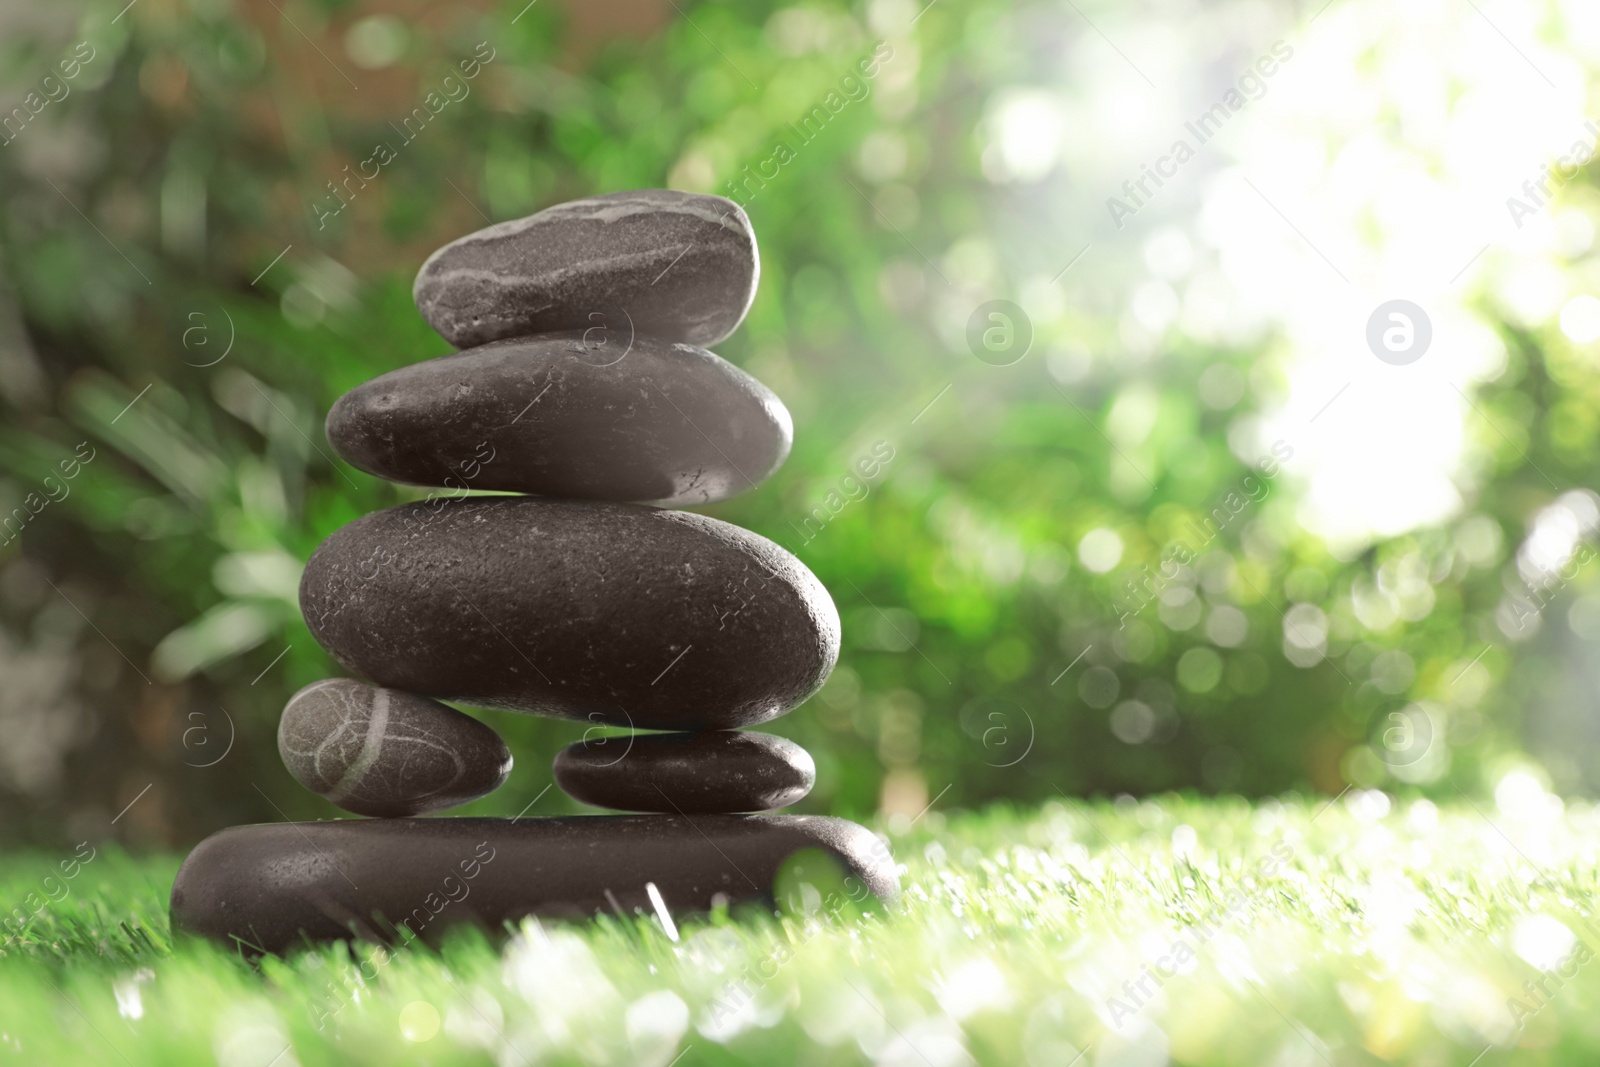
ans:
x=564 y=415
x=681 y=266
x=387 y=753
x=614 y=613
x=270 y=886
x=717 y=771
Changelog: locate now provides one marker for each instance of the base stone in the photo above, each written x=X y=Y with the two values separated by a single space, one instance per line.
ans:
x=271 y=886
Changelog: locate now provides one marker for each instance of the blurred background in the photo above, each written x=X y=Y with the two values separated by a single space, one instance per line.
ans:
x=1175 y=516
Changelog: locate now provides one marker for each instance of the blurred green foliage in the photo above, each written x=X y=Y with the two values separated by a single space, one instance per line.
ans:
x=171 y=300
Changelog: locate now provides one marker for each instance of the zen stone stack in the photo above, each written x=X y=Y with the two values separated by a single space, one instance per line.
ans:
x=585 y=389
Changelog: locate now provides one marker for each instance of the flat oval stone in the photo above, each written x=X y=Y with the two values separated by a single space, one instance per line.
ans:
x=612 y=613
x=387 y=753
x=716 y=771
x=567 y=415
x=674 y=265
x=269 y=887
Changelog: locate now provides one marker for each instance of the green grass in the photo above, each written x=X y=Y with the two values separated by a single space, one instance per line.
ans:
x=1356 y=934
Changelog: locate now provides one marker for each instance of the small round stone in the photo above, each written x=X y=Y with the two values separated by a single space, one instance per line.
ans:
x=385 y=752
x=687 y=773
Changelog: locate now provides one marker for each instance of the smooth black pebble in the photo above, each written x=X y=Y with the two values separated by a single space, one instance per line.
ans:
x=674 y=265
x=687 y=773
x=267 y=887
x=387 y=753
x=566 y=415
x=610 y=613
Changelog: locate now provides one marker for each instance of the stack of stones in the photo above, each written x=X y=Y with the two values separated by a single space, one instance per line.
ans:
x=581 y=382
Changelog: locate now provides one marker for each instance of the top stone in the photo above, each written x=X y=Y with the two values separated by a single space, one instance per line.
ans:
x=673 y=265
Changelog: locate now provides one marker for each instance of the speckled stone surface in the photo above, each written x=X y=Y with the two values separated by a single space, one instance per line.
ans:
x=674 y=265
x=614 y=613
x=387 y=753
x=564 y=416
x=270 y=886
x=687 y=773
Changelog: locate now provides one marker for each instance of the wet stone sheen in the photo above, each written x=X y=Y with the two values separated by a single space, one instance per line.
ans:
x=719 y=771
x=565 y=415
x=607 y=613
x=268 y=887
x=387 y=753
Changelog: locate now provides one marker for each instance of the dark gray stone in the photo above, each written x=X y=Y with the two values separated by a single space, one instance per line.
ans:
x=680 y=266
x=561 y=415
x=614 y=613
x=387 y=753
x=268 y=887
x=687 y=773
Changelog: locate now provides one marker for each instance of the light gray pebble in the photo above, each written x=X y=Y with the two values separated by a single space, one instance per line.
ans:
x=386 y=752
x=678 y=266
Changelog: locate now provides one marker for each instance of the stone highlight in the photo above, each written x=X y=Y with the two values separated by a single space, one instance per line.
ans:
x=562 y=416
x=272 y=886
x=689 y=774
x=386 y=753
x=606 y=613
x=674 y=265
